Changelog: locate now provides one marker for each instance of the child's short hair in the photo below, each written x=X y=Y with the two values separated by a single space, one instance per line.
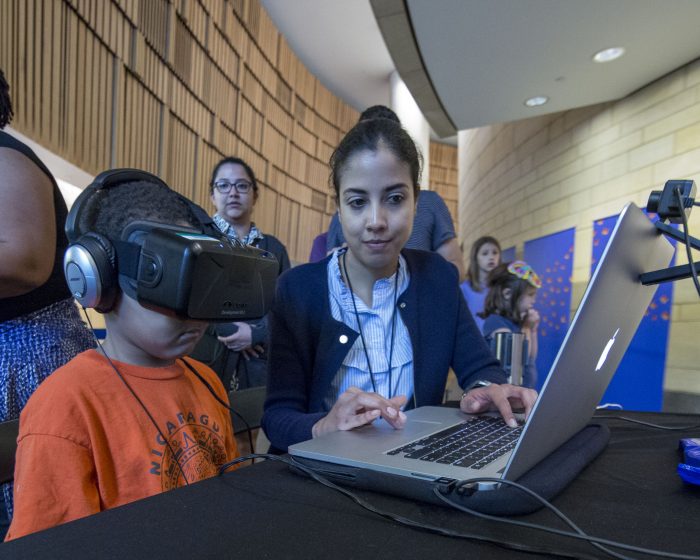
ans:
x=110 y=210
x=516 y=276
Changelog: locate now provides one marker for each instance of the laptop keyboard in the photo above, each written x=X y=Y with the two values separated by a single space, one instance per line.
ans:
x=472 y=444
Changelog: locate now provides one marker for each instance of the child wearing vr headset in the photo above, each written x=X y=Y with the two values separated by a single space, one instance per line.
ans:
x=134 y=417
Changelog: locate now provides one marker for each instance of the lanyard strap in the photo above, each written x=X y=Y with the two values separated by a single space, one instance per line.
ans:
x=359 y=324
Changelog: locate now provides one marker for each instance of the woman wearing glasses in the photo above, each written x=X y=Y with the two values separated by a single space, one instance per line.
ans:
x=236 y=350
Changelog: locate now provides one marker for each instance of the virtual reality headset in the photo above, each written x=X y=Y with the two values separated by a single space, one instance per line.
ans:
x=192 y=273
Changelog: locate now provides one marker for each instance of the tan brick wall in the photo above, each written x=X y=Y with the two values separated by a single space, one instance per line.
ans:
x=522 y=180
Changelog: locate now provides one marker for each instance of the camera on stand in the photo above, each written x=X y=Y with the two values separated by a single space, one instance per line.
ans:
x=674 y=204
x=665 y=203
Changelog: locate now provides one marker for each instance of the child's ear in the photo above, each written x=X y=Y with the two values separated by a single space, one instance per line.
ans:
x=507 y=293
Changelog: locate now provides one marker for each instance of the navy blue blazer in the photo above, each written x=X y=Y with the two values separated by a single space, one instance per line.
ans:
x=306 y=346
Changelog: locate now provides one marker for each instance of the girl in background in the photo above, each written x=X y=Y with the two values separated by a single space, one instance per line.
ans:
x=484 y=256
x=509 y=307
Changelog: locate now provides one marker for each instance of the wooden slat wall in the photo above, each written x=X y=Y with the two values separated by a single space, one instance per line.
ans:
x=171 y=86
x=443 y=175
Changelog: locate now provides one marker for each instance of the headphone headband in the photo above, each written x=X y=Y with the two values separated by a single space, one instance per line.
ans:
x=104 y=180
x=90 y=263
x=185 y=271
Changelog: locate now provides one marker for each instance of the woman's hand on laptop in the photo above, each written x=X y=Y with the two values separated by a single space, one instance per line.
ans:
x=499 y=397
x=356 y=408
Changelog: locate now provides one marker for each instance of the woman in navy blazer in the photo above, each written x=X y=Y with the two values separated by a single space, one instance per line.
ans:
x=375 y=172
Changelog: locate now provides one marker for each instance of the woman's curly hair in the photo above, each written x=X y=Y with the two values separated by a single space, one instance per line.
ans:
x=6 y=113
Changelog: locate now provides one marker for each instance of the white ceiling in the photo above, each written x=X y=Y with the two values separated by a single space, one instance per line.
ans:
x=485 y=57
x=340 y=43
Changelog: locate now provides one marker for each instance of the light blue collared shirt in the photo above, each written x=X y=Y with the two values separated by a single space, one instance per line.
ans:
x=376 y=328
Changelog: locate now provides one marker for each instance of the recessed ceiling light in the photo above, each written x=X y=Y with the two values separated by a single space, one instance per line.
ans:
x=606 y=55
x=536 y=101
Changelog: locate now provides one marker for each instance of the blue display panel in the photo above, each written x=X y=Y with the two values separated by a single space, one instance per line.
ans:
x=552 y=258
x=508 y=254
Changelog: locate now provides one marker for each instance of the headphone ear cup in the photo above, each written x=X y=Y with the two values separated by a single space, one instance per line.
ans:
x=90 y=269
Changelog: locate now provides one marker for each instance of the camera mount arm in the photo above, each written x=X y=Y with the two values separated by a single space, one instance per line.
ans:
x=674 y=204
x=672 y=273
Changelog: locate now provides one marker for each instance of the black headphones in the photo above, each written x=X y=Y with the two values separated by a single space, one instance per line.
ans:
x=90 y=261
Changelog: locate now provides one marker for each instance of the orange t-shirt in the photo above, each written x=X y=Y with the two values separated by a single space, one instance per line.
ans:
x=86 y=445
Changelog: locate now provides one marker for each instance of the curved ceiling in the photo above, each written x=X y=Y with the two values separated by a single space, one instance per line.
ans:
x=472 y=63
x=340 y=43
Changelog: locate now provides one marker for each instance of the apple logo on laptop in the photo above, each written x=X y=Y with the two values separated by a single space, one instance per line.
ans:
x=606 y=351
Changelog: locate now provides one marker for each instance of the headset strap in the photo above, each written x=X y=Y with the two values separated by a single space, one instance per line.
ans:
x=206 y=223
x=128 y=255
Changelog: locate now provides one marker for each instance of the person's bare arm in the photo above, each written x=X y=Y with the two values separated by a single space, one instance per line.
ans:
x=27 y=225
x=450 y=251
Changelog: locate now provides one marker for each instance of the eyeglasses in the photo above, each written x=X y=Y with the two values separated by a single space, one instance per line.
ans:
x=524 y=271
x=241 y=185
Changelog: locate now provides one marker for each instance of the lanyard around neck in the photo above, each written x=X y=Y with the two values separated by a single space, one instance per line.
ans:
x=359 y=324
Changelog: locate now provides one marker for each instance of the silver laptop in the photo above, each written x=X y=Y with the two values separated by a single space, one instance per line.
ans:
x=605 y=322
